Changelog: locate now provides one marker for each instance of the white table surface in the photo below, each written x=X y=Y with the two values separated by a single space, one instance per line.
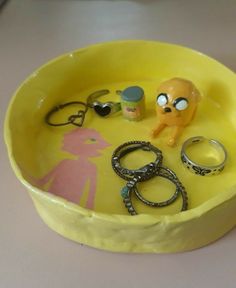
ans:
x=31 y=33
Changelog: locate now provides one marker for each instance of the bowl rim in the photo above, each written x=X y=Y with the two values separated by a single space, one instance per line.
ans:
x=139 y=219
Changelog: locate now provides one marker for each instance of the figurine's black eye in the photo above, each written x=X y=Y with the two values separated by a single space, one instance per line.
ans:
x=181 y=103
x=162 y=99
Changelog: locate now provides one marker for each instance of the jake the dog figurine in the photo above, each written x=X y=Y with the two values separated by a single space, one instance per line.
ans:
x=176 y=105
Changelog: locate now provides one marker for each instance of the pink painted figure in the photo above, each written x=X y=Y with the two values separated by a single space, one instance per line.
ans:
x=69 y=177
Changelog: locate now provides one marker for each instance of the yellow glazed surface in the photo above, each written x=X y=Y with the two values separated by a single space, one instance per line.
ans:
x=34 y=148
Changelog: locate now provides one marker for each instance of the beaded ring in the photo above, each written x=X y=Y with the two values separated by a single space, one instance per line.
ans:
x=131 y=187
x=144 y=173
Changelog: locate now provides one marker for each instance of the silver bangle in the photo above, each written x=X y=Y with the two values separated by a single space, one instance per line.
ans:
x=200 y=169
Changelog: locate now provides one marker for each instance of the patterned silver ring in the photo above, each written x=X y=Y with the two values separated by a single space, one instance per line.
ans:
x=200 y=169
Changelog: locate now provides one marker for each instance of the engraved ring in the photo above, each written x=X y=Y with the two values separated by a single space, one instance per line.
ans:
x=144 y=173
x=131 y=186
x=200 y=169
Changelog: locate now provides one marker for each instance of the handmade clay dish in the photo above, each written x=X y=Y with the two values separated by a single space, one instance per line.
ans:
x=67 y=170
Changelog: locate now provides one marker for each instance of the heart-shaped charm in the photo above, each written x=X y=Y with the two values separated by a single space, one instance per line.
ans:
x=102 y=109
x=80 y=115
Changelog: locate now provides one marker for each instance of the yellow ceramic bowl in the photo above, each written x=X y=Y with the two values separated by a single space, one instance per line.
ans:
x=75 y=162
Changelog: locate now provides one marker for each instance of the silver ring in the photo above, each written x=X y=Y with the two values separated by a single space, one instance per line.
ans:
x=200 y=169
x=144 y=173
x=131 y=187
x=102 y=108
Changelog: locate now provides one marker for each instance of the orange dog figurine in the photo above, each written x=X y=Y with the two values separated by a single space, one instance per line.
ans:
x=176 y=105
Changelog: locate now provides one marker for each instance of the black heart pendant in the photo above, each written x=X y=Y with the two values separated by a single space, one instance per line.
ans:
x=102 y=109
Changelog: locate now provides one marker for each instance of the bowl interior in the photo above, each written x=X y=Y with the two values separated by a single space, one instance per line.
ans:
x=75 y=163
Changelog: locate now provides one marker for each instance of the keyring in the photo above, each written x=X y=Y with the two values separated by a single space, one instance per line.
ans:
x=102 y=108
x=144 y=173
x=72 y=118
x=200 y=169
x=131 y=187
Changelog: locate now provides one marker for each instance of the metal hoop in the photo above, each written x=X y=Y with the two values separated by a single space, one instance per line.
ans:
x=72 y=118
x=197 y=168
x=103 y=109
x=144 y=173
x=131 y=187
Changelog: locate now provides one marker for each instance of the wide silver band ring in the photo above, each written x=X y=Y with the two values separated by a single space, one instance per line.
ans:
x=200 y=169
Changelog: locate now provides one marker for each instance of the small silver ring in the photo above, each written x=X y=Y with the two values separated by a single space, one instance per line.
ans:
x=200 y=169
x=103 y=109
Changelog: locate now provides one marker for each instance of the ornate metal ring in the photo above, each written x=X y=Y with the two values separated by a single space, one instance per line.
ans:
x=200 y=169
x=144 y=173
x=131 y=187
